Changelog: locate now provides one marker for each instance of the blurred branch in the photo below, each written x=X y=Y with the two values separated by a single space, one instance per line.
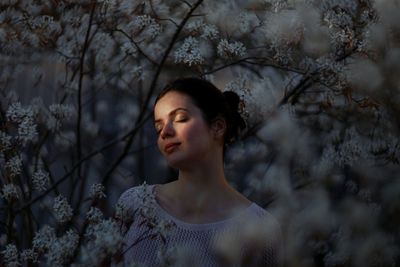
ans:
x=293 y=95
x=260 y=61
x=80 y=84
x=83 y=159
x=136 y=45
x=150 y=93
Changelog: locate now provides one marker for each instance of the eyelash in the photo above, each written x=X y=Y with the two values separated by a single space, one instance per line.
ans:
x=183 y=119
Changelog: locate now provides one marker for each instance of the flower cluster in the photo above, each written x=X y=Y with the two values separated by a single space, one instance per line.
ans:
x=94 y=215
x=56 y=250
x=97 y=191
x=228 y=49
x=103 y=239
x=62 y=249
x=43 y=238
x=29 y=255
x=40 y=180
x=129 y=49
x=14 y=166
x=247 y=22
x=123 y=215
x=24 y=117
x=319 y=79
x=58 y=113
x=147 y=209
x=204 y=30
x=9 y=192
x=17 y=113
x=5 y=141
x=10 y=256
x=147 y=26
x=62 y=210
x=189 y=52
x=62 y=111
x=27 y=131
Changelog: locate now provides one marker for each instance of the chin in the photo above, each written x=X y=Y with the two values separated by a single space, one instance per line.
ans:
x=183 y=164
x=175 y=164
x=178 y=162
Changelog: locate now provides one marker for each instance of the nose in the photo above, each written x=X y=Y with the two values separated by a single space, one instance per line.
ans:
x=167 y=131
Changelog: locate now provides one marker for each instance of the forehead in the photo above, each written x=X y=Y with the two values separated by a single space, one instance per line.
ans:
x=171 y=101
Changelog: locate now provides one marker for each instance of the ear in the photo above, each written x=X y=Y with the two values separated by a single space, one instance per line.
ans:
x=218 y=126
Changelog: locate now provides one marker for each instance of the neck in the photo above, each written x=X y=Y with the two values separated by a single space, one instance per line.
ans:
x=202 y=186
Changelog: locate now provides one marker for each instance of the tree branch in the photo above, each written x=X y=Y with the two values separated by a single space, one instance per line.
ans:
x=151 y=91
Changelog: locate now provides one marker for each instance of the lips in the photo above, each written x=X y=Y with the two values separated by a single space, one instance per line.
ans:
x=168 y=148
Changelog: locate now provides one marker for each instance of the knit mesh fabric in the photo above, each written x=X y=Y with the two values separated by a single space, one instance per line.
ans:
x=153 y=237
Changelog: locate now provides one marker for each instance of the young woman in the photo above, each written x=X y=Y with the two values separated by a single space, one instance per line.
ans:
x=199 y=219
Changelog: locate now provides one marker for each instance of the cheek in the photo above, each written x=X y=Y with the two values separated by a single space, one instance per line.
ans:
x=198 y=133
x=158 y=143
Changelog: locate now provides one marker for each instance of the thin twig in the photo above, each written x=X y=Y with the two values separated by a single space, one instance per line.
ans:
x=80 y=84
x=150 y=93
x=85 y=158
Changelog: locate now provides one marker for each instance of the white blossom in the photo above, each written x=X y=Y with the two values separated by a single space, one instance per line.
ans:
x=17 y=113
x=247 y=21
x=43 y=239
x=97 y=191
x=40 y=180
x=62 y=111
x=189 y=52
x=206 y=31
x=129 y=49
x=351 y=149
x=209 y=31
x=14 y=166
x=278 y=5
x=103 y=43
x=147 y=25
x=147 y=199
x=10 y=256
x=10 y=192
x=102 y=240
x=148 y=211
x=335 y=62
x=29 y=255
x=62 y=249
x=228 y=49
x=337 y=19
x=62 y=210
x=27 y=130
x=94 y=215
x=5 y=141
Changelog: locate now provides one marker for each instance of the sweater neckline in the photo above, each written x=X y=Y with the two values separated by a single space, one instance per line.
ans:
x=198 y=226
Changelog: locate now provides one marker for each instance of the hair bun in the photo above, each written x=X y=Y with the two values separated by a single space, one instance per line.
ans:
x=235 y=105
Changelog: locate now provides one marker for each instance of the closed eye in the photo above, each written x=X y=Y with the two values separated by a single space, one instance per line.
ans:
x=158 y=129
x=181 y=118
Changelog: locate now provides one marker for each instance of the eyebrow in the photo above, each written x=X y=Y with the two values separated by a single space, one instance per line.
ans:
x=173 y=112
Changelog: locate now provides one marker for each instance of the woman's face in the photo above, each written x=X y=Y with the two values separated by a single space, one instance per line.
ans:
x=184 y=137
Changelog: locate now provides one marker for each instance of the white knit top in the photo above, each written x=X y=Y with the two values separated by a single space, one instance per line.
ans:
x=153 y=237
